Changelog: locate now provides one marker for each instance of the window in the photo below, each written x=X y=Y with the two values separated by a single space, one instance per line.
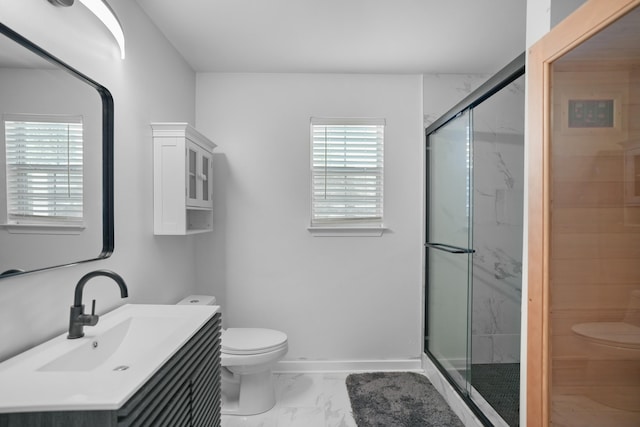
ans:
x=347 y=173
x=44 y=170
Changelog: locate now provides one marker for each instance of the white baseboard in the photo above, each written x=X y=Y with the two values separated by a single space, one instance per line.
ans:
x=304 y=366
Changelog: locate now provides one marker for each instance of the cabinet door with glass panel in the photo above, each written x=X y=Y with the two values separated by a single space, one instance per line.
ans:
x=199 y=171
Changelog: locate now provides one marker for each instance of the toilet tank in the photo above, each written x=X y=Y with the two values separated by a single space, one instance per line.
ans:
x=198 y=300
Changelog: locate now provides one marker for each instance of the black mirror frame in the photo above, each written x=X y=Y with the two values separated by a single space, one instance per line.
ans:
x=108 y=230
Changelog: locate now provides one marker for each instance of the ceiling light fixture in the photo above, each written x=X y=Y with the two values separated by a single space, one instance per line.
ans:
x=63 y=3
x=103 y=11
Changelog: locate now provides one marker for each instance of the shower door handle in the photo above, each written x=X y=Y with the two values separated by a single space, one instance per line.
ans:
x=449 y=248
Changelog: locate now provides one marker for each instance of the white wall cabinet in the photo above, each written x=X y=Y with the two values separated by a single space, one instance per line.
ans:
x=182 y=171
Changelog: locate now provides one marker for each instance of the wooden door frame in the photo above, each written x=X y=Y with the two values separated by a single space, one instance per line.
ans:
x=589 y=19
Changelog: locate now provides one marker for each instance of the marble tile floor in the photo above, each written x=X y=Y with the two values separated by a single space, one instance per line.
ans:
x=303 y=400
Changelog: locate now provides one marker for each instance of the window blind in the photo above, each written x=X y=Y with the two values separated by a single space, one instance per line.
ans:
x=44 y=169
x=347 y=171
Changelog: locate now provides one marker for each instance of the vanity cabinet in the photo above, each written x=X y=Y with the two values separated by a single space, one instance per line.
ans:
x=185 y=391
x=182 y=177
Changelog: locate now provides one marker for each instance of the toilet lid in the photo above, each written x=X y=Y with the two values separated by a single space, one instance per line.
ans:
x=252 y=340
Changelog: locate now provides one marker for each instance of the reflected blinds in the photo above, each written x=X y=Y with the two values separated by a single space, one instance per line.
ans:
x=347 y=171
x=44 y=169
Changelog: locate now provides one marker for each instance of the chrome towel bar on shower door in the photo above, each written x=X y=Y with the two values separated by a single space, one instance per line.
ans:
x=449 y=248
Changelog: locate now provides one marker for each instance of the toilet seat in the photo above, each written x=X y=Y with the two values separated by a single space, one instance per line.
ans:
x=248 y=341
x=615 y=334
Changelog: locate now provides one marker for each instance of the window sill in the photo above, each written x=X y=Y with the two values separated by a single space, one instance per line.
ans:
x=371 y=231
x=43 y=228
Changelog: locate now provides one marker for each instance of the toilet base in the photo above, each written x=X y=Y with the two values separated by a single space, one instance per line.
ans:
x=247 y=394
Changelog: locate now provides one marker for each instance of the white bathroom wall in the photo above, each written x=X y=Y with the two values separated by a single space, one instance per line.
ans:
x=337 y=298
x=560 y=9
x=153 y=83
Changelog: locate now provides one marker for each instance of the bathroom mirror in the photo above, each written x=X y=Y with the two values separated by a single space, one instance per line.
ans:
x=56 y=161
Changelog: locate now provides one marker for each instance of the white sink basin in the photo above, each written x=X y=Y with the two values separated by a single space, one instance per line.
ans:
x=119 y=346
x=105 y=367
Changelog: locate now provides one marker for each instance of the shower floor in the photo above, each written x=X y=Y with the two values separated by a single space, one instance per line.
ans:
x=499 y=385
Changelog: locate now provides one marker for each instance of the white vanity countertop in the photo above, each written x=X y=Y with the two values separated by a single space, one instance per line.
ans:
x=78 y=374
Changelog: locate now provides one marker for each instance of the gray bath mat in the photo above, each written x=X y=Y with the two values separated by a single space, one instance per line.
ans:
x=398 y=399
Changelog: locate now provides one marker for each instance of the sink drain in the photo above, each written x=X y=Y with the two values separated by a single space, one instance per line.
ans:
x=121 y=368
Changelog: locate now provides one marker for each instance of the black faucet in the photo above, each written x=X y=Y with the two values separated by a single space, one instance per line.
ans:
x=77 y=319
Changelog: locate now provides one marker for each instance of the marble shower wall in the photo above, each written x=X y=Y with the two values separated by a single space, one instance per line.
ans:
x=498 y=191
x=443 y=91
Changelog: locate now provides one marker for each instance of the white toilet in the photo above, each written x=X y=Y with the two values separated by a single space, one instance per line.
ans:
x=612 y=351
x=247 y=354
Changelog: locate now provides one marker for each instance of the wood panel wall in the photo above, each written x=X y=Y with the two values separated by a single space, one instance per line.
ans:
x=594 y=250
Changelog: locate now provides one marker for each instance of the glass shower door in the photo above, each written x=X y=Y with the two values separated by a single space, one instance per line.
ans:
x=448 y=242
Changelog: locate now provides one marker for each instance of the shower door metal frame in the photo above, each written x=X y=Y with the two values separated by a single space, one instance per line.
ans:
x=497 y=82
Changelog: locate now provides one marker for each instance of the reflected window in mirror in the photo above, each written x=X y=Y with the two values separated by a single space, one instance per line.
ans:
x=44 y=179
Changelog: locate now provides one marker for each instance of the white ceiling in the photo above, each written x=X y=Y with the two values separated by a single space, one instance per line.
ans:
x=343 y=36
